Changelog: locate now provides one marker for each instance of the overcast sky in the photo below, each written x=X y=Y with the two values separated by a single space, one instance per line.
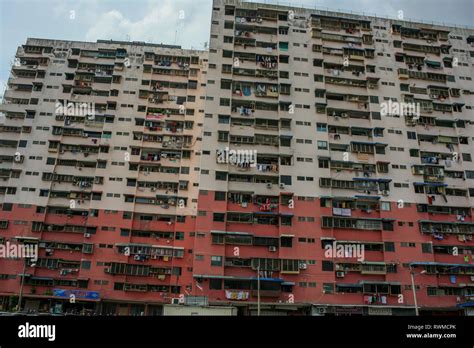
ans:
x=182 y=22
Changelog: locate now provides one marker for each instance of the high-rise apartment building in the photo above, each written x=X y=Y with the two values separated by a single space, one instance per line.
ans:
x=100 y=156
x=338 y=167
x=311 y=162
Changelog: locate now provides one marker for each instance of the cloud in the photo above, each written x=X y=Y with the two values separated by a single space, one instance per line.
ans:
x=163 y=22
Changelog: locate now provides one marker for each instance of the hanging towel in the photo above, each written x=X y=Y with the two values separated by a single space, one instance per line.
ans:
x=247 y=91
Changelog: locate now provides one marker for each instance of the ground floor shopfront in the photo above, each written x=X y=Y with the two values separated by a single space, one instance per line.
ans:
x=109 y=307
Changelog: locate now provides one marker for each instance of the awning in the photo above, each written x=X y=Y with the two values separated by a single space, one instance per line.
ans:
x=441 y=264
x=430 y=221
x=373 y=263
x=27 y=238
x=362 y=282
x=232 y=233
x=466 y=304
x=41 y=278
x=288 y=283
x=265 y=213
x=287 y=214
x=276 y=280
x=432 y=63
x=362 y=142
x=133 y=244
x=356 y=242
x=438 y=87
x=287 y=235
x=349 y=285
x=430 y=184
x=354 y=48
x=374 y=198
x=342 y=198
x=365 y=179
x=211 y=276
x=371 y=179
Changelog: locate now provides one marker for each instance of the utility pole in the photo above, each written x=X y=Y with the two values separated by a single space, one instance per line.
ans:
x=20 y=297
x=258 y=289
x=412 y=274
x=414 y=292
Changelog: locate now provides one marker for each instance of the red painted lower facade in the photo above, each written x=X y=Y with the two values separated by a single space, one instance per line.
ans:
x=279 y=246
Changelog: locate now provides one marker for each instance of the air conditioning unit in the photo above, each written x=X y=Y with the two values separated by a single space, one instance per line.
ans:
x=269 y=186
x=321 y=310
x=137 y=258
x=87 y=235
x=175 y=300
x=282 y=186
x=344 y=115
x=340 y=274
x=303 y=266
x=272 y=248
x=385 y=193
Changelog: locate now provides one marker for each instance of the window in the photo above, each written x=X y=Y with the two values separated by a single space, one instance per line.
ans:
x=219 y=196
x=286 y=242
x=427 y=248
x=224 y=119
x=327 y=266
x=86 y=264
x=322 y=145
x=224 y=102
x=285 y=179
x=328 y=288
x=389 y=246
x=218 y=217
x=216 y=260
x=215 y=284
x=221 y=176
x=376 y=116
